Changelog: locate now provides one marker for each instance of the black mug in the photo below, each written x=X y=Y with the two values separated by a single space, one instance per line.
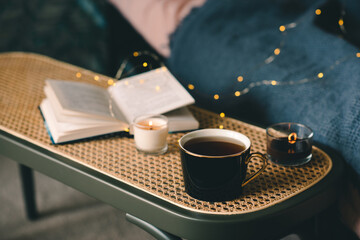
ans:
x=214 y=163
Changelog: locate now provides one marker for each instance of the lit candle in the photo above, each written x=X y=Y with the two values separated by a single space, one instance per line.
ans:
x=150 y=133
x=289 y=144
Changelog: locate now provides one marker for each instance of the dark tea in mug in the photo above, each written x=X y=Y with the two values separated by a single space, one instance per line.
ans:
x=214 y=163
x=214 y=146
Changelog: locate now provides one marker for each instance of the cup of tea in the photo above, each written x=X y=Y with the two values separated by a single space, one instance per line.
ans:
x=214 y=163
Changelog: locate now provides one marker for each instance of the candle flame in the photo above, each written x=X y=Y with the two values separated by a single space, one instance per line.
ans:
x=292 y=138
x=150 y=125
x=341 y=22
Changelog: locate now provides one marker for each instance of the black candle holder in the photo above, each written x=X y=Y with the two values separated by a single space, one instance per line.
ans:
x=289 y=144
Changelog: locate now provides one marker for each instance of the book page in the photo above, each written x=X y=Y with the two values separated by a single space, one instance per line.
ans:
x=81 y=97
x=153 y=92
x=62 y=131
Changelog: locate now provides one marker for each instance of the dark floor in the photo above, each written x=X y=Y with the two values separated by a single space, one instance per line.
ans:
x=64 y=212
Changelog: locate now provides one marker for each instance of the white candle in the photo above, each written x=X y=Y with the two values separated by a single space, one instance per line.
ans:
x=150 y=133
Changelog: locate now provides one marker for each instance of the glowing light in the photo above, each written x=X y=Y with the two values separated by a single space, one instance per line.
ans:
x=318 y=12
x=216 y=96
x=110 y=81
x=141 y=81
x=273 y=82
x=341 y=22
x=145 y=64
x=191 y=87
x=292 y=138
x=240 y=78
x=358 y=54
x=282 y=28
x=127 y=130
x=135 y=54
x=277 y=51
x=320 y=75
x=78 y=75
x=221 y=126
x=150 y=123
x=237 y=93
x=222 y=114
x=96 y=78
x=126 y=83
x=157 y=88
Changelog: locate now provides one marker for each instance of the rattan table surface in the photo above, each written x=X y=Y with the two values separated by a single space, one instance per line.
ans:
x=22 y=77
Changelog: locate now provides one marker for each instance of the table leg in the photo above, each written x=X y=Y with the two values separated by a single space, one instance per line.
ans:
x=154 y=231
x=28 y=189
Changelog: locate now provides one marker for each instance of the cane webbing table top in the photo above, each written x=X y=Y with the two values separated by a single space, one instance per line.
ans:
x=22 y=77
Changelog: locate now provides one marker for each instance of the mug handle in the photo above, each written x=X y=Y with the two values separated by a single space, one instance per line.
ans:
x=264 y=161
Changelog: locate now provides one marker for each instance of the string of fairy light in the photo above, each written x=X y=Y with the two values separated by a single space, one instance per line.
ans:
x=283 y=29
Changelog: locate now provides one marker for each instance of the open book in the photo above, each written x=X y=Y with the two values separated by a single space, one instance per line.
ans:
x=74 y=110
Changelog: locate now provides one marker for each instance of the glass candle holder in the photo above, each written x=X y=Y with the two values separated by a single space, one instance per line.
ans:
x=150 y=133
x=289 y=144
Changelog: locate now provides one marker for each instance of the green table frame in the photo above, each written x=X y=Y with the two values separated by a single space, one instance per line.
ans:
x=160 y=218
